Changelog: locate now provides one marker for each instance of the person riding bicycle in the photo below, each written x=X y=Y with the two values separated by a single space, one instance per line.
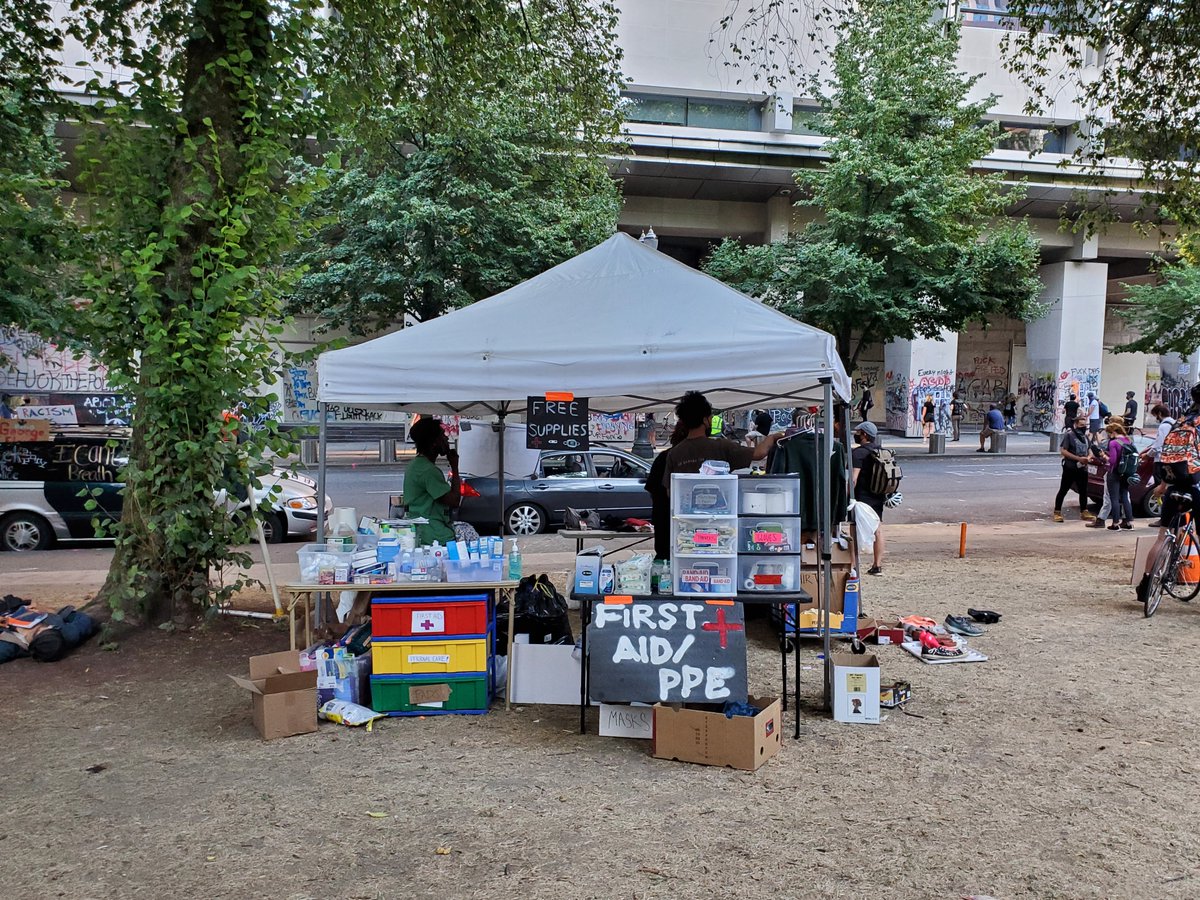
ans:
x=1179 y=459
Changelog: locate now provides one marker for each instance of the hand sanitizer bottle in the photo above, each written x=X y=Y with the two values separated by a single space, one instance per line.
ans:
x=514 y=562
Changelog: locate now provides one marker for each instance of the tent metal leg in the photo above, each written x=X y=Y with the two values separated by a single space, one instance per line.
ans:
x=321 y=462
x=826 y=515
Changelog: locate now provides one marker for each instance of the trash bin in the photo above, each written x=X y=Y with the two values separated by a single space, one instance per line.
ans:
x=937 y=443
x=1054 y=439
x=999 y=443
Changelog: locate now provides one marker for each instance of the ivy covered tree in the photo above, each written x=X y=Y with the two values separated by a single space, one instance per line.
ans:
x=193 y=197
x=912 y=241
x=440 y=211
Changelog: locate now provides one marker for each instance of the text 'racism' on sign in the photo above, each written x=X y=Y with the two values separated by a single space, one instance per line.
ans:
x=668 y=652
x=556 y=422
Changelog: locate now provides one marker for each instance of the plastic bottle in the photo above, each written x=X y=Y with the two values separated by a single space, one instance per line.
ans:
x=406 y=565
x=514 y=562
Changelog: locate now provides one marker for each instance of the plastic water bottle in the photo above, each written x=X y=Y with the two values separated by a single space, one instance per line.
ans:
x=406 y=565
x=514 y=562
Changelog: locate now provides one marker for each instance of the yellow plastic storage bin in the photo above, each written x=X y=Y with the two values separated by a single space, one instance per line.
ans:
x=428 y=657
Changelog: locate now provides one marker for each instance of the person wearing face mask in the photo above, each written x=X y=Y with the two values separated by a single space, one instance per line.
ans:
x=1073 y=448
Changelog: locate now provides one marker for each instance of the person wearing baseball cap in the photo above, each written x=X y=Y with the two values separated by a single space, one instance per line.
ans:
x=865 y=437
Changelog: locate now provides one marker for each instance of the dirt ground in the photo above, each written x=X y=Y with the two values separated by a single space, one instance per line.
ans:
x=1066 y=766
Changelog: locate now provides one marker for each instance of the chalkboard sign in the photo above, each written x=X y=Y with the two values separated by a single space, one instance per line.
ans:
x=669 y=651
x=553 y=424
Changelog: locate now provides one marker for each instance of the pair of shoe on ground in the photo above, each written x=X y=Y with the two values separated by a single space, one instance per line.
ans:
x=1099 y=523
x=1084 y=515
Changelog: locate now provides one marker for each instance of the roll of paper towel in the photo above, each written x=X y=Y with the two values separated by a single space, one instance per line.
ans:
x=343 y=520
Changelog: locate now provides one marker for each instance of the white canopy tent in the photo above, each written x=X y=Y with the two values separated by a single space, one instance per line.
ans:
x=623 y=325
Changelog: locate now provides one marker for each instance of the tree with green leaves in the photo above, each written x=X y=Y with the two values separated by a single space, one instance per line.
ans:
x=450 y=210
x=193 y=196
x=912 y=241
x=1166 y=314
x=38 y=233
x=1131 y=65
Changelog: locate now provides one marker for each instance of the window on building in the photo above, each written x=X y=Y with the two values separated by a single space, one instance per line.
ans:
x=1033 y=138
x=805 y=119
x=988 y=14
x=733 y=115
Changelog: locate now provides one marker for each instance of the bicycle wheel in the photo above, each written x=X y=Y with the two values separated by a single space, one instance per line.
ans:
x=1177 y=587
x=1161 y=572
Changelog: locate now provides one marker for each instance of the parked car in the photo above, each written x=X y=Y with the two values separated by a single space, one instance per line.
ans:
x=1141 y=493
x=41 y=483
x=607 y=480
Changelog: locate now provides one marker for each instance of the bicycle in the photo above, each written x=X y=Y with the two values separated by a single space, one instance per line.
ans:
x=1176 y=567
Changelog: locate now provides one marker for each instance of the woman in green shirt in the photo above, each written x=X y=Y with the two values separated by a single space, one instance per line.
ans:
x=427 y=494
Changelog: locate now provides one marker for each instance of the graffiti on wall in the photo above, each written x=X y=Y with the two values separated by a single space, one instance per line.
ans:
x=612 y=428
x=895 y=401
x=1080 y=382
x=1037 y=401
x=985 y=382
x=934 y=384
x=1175 y=393
x=33 y=364
x=300 y=403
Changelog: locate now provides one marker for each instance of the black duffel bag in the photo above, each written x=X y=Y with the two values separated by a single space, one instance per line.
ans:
x=540 y=612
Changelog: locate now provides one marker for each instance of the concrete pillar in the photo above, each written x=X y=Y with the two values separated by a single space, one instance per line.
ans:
x=1065 y=348
x=914 y=370
x=779 y=219
x=1177 y=375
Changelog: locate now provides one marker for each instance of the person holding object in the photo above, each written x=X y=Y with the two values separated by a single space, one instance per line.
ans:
x=695 y=414
x=427 y=493
x=1116 y=484
x=1073 y=448
x=865 y=436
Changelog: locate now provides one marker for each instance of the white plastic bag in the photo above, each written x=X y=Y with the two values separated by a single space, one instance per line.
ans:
x=866 y=523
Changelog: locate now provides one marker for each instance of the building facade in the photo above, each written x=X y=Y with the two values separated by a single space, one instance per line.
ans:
x=710 y=158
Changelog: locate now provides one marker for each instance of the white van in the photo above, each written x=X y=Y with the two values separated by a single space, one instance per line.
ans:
x=41 y=483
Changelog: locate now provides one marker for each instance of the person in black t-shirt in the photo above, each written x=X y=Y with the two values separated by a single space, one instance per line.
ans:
x=1071 y=411
x=1131 y=410
x=865 y=436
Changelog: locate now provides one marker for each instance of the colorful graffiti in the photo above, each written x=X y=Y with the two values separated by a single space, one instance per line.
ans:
x=937 y=384
x=984 y=383
x=1175 y=393
x=1037 y=401
x=895 y=401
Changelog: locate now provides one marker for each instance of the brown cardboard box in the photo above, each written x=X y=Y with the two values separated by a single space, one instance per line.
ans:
x=810 y=549
x=284 y=698
x=811 y=581
x=711 y=739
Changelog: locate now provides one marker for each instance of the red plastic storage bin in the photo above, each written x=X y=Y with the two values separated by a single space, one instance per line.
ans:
x=429 y=616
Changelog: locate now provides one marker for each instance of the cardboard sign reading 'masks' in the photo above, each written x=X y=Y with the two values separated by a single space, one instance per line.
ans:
x=667 y=651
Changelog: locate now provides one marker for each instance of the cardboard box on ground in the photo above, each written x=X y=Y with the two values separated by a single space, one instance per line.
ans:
x=284 y=699
x=842 y=563
x=855 y=687
x=712 y=739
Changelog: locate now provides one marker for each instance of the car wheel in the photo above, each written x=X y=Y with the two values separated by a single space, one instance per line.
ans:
x=22 y=531
x=525 y=518
x=274 y=528
x=1152 y=504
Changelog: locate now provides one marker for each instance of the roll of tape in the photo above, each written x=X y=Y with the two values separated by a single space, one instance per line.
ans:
x=748 y=584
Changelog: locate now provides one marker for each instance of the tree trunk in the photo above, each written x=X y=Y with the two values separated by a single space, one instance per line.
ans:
x=154 y=576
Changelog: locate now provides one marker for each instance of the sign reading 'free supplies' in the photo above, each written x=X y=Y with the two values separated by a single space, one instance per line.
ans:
x=556 y=422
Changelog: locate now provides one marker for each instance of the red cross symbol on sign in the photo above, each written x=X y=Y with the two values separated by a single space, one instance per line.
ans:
x=427 y=624
x=723 y=627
